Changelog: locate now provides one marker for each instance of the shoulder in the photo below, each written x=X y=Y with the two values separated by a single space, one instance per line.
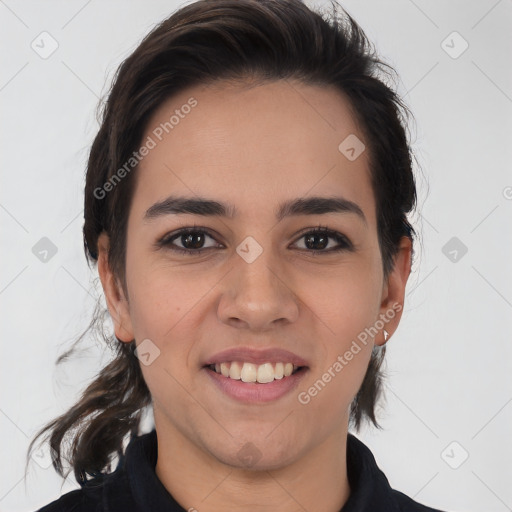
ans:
x=108 y=492
x=74 y=501
x=370 y=487
x=94 y=496
x=406 y=504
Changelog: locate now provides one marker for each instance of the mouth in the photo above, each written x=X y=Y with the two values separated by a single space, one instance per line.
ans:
x=255 y=373
x=255 y=376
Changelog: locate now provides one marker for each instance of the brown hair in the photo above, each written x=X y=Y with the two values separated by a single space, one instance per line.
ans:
x=210 y=41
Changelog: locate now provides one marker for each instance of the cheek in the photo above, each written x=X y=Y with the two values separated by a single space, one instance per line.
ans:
x=345 y=310
x=168 y=305
x=345 y=300
x=347 y=305
x=161 y=295
x=346 y=344
x=163 y=308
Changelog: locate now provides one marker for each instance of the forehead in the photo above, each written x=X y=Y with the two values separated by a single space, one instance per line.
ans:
x=253 y=146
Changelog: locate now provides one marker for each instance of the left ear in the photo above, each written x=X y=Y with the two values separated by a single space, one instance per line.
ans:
x=393 y=292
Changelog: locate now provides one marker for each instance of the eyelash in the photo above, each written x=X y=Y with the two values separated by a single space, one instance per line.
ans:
x=166 y=240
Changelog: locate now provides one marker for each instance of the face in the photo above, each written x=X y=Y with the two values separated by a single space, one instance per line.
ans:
x=241 y=285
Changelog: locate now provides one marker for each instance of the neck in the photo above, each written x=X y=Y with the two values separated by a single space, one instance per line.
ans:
x=198 y=481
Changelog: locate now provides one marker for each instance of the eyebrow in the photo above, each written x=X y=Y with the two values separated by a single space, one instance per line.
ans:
x=207 y=207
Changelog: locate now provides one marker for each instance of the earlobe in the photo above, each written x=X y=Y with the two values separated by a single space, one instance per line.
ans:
x=393 y=296
x=114 y=294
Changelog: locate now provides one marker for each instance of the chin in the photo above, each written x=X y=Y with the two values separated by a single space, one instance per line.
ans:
x=257 y=453
x=251 y=459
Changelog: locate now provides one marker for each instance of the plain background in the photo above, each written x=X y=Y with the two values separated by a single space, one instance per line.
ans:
x=447 y=419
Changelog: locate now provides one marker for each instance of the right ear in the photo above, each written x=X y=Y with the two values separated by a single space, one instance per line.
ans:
x=117 y=304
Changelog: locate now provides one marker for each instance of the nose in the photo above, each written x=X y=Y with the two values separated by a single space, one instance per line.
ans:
x=257 y=296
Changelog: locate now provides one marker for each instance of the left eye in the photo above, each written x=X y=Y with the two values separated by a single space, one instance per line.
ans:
x=317 y=241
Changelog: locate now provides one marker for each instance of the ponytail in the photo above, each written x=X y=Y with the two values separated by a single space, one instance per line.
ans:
x=110 y=408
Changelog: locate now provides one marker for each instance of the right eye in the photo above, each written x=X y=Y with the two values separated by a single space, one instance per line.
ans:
x=192 y=241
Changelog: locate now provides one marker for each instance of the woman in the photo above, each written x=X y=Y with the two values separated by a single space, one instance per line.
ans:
x=246 y=204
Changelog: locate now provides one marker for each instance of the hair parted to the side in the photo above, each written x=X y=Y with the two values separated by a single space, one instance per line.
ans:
x=240 y=41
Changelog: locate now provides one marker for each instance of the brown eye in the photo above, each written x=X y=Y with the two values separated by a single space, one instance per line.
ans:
x=323 y=240
x=317 y=241
x=192 y=241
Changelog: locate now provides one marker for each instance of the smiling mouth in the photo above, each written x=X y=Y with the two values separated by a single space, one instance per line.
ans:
x=258 y=373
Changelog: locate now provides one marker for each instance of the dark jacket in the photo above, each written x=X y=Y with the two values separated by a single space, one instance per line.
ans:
x=134 y=486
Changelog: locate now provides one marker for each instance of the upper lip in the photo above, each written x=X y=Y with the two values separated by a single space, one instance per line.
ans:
x=256 y=356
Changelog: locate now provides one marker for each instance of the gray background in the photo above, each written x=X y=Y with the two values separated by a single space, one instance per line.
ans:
x=449 y=390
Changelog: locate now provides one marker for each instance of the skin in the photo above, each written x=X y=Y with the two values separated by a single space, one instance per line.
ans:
x=253 y=146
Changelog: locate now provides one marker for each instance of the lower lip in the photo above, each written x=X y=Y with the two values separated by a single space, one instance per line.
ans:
x=254 y=392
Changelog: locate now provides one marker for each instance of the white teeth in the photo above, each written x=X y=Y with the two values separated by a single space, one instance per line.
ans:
x=224 y=369
x=279 y=371
x=265 y=373
x=234 y=371
x=250 y=372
